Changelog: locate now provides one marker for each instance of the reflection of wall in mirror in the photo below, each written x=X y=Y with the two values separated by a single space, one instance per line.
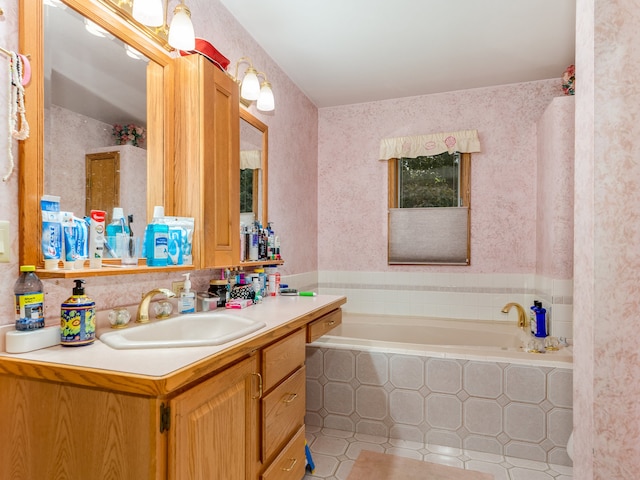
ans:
x=69 y=136
x=133 y=183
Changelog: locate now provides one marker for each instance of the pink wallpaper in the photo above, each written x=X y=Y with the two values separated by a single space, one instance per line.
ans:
x=353 y=182
x=554 y=232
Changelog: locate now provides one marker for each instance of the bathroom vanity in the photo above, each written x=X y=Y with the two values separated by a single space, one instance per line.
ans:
x=234 y=411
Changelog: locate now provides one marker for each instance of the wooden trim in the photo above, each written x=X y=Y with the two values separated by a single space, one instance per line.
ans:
x=31 y=150
x=393 y=182
x=264 y=166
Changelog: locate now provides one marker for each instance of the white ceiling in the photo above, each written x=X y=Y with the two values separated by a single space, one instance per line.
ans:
x=351 y=51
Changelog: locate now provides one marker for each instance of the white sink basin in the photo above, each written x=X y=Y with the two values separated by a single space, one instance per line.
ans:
x=194 y=330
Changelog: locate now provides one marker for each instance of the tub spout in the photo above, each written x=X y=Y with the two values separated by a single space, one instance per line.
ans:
x=523 y=321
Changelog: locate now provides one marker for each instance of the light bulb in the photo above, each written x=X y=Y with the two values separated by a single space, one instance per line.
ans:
x=148 y=12
x=266 y=102
x=181 y=34
x=250 y=89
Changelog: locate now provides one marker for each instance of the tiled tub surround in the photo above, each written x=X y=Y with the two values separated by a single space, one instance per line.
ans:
x=498 y=407
x=451 y=295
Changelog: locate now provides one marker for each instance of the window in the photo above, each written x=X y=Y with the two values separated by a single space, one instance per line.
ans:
x=434 y=181
x=429 y=209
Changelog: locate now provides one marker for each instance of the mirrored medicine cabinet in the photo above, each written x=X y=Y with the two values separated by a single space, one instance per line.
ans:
x=149 y=82
x=49 y=59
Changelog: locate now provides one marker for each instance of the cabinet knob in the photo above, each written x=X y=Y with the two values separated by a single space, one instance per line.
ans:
x=293 y=464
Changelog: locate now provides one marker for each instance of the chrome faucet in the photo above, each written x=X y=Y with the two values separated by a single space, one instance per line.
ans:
x=143 y=309
x=523 y=321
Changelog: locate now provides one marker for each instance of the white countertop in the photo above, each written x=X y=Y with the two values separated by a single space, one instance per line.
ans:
x=158 y=362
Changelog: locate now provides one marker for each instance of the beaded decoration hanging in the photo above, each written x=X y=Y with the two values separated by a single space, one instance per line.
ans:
x=16 y=110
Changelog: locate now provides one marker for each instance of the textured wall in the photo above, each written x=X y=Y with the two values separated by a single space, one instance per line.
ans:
x=554 y=233
x=353 y=182
x=607 y=233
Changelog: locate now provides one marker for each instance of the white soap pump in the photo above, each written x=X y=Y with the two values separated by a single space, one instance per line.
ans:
x=187 y=301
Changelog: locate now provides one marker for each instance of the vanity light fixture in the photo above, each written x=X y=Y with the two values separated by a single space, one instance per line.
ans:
x=251 y=89
x=148 y=12
x=181 y=33
x=152 y=13
x=132 y=52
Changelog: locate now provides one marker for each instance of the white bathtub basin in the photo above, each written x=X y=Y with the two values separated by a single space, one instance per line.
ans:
x=194 y=330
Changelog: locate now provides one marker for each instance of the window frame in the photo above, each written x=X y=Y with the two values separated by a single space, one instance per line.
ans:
x=465 y=193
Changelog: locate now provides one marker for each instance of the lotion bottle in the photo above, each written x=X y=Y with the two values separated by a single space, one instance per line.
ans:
x=78 y=318
x=187 y=301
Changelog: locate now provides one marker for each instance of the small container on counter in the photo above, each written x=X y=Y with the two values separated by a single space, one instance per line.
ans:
x=220 y=289
x=77 y=318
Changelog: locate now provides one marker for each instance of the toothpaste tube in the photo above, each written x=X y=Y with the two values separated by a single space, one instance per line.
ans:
x=70 y=234
x=51 y=228
x=237 y=303
x=96 y=238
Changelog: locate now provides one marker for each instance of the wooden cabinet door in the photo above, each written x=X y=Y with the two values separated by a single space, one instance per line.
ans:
x=213 y=433
x=207 y=159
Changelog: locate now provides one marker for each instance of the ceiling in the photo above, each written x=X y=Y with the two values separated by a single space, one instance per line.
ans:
x=342 y=52
x=91 y=75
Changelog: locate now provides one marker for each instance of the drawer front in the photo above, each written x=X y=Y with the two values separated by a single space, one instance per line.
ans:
x=323 y=325
x=282 y=358
x=283 y=413
x=289 y=465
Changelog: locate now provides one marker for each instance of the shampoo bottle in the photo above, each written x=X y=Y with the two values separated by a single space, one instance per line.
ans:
x=156 y=240
x=187 y=301
x=541 y=322
x=77 y=318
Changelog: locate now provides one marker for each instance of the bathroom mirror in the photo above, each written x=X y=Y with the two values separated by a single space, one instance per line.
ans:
x=93 y=81
x=253 y=169
x=32 y=151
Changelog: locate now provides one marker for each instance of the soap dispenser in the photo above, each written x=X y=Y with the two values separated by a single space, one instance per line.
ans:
x=187 y=300
x=78 y=318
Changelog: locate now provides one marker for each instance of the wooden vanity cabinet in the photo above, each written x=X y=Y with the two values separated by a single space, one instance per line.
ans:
x=214 y=430
x=283 y=406
x=206 y=170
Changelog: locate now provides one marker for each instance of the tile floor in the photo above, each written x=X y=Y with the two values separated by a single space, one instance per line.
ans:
x=334 y=452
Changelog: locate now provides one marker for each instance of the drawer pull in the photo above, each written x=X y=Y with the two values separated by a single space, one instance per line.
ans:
x=259 y=386
x=293 y=464
x=291 y=398
x=331 y=322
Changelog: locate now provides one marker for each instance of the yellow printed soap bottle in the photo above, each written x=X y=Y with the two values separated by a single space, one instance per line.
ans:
x=78 y=318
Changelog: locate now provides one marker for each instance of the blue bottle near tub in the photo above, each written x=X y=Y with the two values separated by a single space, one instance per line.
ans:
x=542 y=329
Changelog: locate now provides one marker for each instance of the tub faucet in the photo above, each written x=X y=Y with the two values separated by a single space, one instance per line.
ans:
x=143 y=309
x=523 y=321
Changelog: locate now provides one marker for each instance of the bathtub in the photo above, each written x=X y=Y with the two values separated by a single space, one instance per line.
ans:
x=456 y=383
x=451 y=338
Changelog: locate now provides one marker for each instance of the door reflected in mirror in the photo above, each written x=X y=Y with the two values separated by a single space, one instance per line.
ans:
x=91 y=83
x=253 y=169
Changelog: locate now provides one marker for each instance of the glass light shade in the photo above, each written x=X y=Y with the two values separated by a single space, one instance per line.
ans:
x=132 y=52
x=181 y=33
x=266 y=102
x=250 y=89
x=148 y=12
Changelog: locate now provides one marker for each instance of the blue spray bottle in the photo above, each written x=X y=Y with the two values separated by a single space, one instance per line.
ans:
x=541 y=321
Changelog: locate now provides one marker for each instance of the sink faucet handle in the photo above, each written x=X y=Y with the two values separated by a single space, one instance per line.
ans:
x=143 y=309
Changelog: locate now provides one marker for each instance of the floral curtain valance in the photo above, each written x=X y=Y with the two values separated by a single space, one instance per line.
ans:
x=250 y=159
x=464 y=141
